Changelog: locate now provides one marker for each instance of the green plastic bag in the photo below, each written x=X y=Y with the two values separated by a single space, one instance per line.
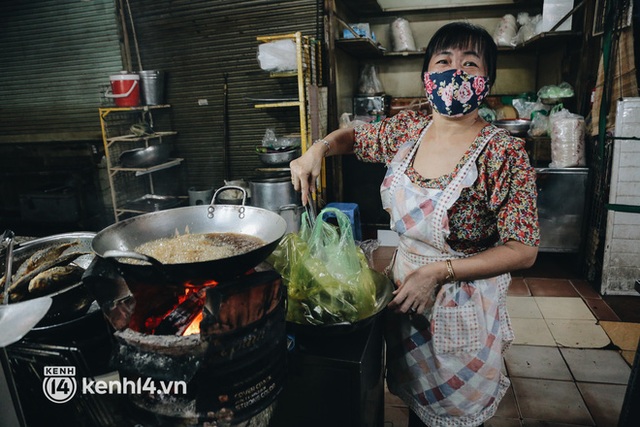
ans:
x=328 y=278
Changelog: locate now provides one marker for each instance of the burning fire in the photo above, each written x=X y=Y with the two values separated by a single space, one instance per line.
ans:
x=182 y=313
x=194 y=326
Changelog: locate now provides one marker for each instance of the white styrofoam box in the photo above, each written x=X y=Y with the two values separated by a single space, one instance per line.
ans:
x=625 y=178
x=628 y=117
x=622 y=254
x=552 y=12
x=621 y=261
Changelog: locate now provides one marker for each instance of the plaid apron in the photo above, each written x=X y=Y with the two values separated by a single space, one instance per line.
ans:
x=445 y=364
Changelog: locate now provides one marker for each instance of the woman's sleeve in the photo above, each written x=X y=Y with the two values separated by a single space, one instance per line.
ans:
x=514 y=195
x=379 y=142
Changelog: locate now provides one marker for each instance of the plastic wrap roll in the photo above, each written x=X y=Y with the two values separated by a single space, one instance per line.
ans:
x=401 y=36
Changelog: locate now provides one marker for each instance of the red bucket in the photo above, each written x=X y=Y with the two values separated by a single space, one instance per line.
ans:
x=125 y=89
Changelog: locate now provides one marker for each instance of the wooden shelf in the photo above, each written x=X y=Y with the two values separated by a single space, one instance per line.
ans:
x=364 y=48
x=542 y=40
x=361 y=48
x=419 y=53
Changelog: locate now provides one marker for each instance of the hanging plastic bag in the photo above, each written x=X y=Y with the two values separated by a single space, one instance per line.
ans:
x=539 y=123
x=328 y=277
x=369 y=84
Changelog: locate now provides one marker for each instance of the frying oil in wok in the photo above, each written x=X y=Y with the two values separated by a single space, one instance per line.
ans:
x=189 y=248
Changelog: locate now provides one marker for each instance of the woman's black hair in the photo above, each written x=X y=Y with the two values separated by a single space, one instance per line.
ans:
x=463 y=35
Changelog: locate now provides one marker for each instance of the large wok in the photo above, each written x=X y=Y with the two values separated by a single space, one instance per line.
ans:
x=118 y=241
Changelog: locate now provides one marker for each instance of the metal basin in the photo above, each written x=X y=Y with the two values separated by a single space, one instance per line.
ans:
x=517 y=127
x=278 y=157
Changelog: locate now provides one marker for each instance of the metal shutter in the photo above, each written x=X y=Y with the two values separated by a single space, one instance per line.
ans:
x=56 y=56
x=196 y=43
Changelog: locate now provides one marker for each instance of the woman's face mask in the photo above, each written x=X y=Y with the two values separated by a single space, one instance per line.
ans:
x=454 y=93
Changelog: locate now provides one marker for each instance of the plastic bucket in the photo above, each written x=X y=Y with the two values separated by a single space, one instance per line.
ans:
x=152 y=82
x=125 y=89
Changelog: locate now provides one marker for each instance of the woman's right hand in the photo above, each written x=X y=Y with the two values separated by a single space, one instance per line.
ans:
x=306 y=169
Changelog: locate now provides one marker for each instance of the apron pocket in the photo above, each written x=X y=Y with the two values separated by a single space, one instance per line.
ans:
x=456 y=329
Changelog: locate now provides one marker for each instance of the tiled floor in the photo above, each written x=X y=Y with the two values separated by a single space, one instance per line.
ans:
x=570 y=362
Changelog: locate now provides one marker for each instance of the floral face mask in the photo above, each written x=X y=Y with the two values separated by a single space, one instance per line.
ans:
x=454 y=93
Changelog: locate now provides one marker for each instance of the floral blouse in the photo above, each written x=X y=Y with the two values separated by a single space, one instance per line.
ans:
x=499 y=206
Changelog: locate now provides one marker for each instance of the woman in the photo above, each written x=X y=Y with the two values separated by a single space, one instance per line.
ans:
x=461 y=195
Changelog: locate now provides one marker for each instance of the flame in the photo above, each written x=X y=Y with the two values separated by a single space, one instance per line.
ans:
x=157 y=313
x=198 y=285
x=194 y=326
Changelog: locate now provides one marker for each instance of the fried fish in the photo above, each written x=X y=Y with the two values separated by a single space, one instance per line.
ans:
x=55 y=278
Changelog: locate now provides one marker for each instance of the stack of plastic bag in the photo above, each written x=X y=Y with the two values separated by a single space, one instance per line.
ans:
x=506 y=31
x=567 y=140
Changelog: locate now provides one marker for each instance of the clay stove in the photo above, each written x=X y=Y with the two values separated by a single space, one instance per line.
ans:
x=226 y=341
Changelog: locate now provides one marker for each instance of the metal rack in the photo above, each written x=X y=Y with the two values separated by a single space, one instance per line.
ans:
x=309 y=79
x=129 y=195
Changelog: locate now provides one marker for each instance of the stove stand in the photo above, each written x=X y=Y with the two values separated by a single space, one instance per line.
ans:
x=335 y=381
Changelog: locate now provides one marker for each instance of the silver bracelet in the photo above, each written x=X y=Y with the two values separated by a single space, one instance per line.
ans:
x=326 y=144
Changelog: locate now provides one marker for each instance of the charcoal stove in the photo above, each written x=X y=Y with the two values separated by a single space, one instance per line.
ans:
x=226 y=342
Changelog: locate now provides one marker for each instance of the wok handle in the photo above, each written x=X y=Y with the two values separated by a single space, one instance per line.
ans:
x=230 y=187
x=113 y=253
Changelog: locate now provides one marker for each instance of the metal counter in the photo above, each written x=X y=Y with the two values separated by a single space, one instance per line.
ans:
x=561 y=203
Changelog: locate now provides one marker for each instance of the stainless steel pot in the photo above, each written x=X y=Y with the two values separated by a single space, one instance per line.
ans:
x=292 y=214
x=272 y=193
x=120 y=240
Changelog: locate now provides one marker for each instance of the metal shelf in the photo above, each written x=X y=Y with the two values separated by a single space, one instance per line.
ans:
x=123 y=183
x=308 y=61
x=133 y=138
x=143 y=171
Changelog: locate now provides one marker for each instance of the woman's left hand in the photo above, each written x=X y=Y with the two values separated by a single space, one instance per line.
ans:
x=418 y=292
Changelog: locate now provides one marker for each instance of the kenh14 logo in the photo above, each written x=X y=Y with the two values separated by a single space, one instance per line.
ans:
x=59 y=384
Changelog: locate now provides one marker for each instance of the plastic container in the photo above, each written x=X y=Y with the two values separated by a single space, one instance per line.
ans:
x=125 y=89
